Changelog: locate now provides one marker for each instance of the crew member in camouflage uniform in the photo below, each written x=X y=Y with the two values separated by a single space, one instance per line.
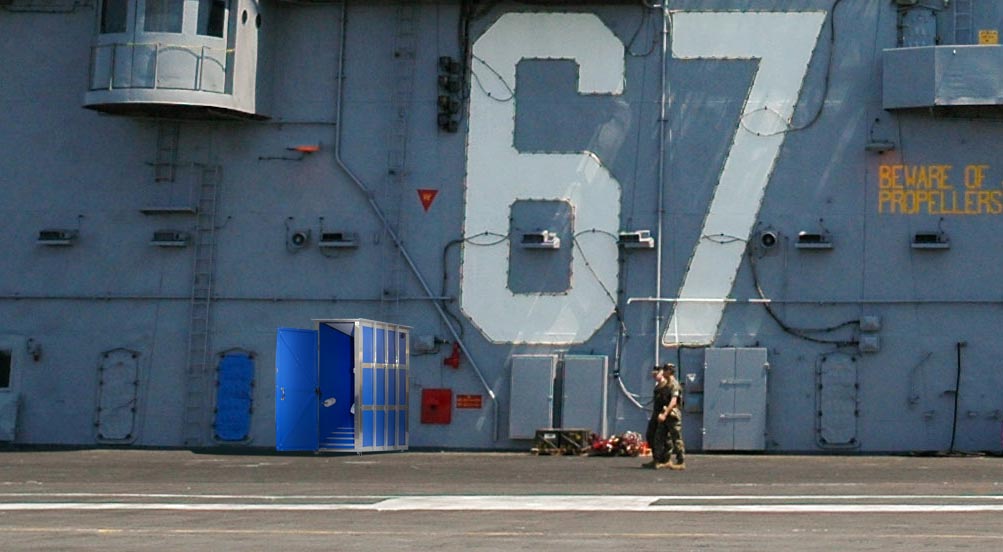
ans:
x=665 y=427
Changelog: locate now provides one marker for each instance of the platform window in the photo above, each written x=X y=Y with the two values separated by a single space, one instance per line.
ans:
x=164 y=16
x=5 y=362
x=212 y=14
x=113 y=15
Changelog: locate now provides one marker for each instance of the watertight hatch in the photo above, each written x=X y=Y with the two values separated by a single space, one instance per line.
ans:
x=234 y=397
x=117 y=392
x=837 y=402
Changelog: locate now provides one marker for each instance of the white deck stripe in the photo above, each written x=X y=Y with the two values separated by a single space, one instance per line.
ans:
x=381 y=498
x=581 y=507
x=767 y=504
x=196 y=496
x=652 y=498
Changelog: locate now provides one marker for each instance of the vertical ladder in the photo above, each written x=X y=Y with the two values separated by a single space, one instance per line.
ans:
x=403 y=65
x=964 y=22
x=165 y=165
x=197 y=394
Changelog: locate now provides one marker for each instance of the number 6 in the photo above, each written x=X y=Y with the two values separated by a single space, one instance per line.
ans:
x=498 y=175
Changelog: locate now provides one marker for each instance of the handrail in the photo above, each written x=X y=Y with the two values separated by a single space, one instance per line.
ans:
x=173 y=46
x=203 y=55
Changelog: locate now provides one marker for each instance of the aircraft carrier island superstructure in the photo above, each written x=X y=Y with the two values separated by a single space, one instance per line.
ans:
x=796 y=202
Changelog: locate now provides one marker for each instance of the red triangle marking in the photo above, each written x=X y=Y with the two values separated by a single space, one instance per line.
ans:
x=427 y=196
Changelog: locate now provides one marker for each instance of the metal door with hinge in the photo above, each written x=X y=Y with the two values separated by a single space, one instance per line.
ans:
x=735 y=399
x=296 y=401
x=584 y=393
x=531 y=402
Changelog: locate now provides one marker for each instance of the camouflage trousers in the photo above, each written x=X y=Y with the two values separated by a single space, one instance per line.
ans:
x=677 y=449
x=666 y=440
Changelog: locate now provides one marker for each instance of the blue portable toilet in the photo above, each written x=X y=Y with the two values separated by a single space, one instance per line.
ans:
x=342 y=386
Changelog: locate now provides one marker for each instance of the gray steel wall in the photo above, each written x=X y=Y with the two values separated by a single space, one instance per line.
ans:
x=64 y=166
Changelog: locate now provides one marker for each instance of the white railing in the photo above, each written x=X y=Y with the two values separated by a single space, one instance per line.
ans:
x=158 y=66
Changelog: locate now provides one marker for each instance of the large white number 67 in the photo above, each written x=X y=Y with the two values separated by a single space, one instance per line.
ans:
x=498 y=175
x=783 y=44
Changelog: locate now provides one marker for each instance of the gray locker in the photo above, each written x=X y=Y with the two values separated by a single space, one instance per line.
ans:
x=734 y=399
x=531 y=402
x=583 y=397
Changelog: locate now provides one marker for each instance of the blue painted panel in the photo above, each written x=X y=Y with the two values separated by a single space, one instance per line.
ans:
x=380 y=429
x=367 y=344
x=381 y=386
x=337 y=379
x=367 y=386
x=392 y=428
x=295 y=385
x=367 y=428
x=402 y=428
x=234 y=396
x=402 y=348
x=392 y=386
x=402 y=387
x=392 y=342
x=381 y=345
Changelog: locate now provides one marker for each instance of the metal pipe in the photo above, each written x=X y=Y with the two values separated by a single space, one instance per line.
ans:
x=833 y=302
x=957 y=390
x=662 y=119
x=273 y=299
x=693 y=300
x=156 y=64
x=199 y=69
x=114 y=64
x=386 y=224
x=276 y=299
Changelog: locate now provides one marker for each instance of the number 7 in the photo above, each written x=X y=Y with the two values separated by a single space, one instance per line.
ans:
x=783 y=44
